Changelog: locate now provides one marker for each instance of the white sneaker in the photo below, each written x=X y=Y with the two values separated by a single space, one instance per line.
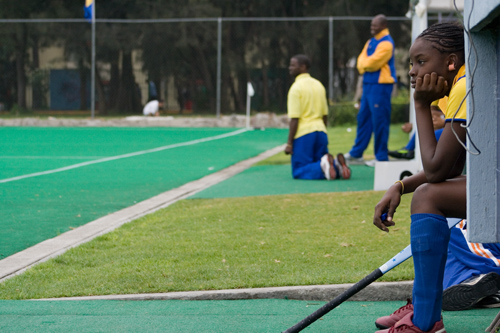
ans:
x=325 y=166
x=354 y=160
x=371 y=163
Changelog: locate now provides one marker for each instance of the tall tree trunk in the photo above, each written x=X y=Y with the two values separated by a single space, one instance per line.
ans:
x=35 y=52
x=114 y=81
x=265 y=88
x=236 y=80
x=238 y=87
x=83 y=84
x=342 y=78
x=101 y=96
x=20 y=53
x=231 y=83
x=126 y=100
x=207 y=77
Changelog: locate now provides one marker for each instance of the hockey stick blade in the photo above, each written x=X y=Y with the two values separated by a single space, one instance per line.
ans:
x=367 y=280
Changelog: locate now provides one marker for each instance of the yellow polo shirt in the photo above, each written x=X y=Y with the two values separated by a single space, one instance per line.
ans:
x=307 y=102
x=457 y=93
x=441 y=103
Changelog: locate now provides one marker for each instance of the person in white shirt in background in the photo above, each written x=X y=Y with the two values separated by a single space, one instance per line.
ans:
x=152 y=108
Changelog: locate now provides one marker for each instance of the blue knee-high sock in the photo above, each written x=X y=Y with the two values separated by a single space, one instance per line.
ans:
x=429 y=243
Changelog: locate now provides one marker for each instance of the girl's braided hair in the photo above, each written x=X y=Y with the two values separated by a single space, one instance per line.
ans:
x=446 y=37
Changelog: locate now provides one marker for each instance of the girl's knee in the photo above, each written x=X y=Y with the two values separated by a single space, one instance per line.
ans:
x=425 y=199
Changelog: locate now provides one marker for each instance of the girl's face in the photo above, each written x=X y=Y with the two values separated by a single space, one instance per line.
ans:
x=425 y=59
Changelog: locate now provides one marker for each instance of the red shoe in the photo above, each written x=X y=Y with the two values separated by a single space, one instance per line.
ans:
x=406 y=325
x=389 y=321
x=345 y=171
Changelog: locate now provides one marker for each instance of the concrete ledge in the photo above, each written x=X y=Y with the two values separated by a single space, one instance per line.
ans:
x=377 y=291
x=261 y=119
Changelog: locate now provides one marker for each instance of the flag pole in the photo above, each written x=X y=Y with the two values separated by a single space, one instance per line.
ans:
x=92 y=69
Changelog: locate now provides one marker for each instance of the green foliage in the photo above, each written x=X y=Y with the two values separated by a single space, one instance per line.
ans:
x=345 y=113
x=400 y=112
x=187 y=52
x=17 y=110
x=342 y=114
x=40 y=84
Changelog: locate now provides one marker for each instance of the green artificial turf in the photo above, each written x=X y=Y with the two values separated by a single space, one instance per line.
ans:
x=341 y=139
x=277 y=179
x=38 y=208
x=242 y=316
x=208 y=244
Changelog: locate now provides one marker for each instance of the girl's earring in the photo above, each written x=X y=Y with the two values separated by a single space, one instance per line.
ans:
x=451 y=67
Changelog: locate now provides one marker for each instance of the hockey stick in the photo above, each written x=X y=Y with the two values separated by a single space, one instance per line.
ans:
x=393 y=262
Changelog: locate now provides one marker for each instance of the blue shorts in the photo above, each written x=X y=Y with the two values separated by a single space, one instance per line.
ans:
x=468 y=259
x=307 y=152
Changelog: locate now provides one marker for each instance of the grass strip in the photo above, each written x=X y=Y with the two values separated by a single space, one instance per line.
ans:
x=210 y=244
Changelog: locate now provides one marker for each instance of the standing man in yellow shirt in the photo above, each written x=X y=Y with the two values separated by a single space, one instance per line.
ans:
x=307 y=138
x=376 y=64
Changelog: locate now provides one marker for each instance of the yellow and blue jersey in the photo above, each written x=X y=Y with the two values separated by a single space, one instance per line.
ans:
x=456 y=108
x=442 y=103
x=87 y=9
x=307 y=101
x=376 y=61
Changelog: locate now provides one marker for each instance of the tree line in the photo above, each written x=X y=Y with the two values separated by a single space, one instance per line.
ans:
x=187 y=51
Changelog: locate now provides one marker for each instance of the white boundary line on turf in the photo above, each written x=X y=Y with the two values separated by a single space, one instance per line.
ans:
x=50 y=248
x=51 y=157
x=113 y=158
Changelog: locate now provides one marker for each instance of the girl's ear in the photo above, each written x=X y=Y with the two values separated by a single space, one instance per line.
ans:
x=452 y=62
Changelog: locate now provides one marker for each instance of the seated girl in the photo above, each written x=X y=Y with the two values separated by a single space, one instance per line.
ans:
x=437 y=60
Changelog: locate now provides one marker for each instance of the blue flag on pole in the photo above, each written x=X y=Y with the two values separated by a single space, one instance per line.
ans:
x=87 y=9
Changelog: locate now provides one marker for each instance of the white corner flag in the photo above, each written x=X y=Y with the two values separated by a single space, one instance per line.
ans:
x=250 y=90
x=250 y=93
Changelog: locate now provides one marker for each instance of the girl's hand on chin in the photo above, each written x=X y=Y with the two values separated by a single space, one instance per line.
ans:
x=429 y=88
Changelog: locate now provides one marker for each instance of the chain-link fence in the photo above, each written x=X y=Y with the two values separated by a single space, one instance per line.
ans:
x=198 y=66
